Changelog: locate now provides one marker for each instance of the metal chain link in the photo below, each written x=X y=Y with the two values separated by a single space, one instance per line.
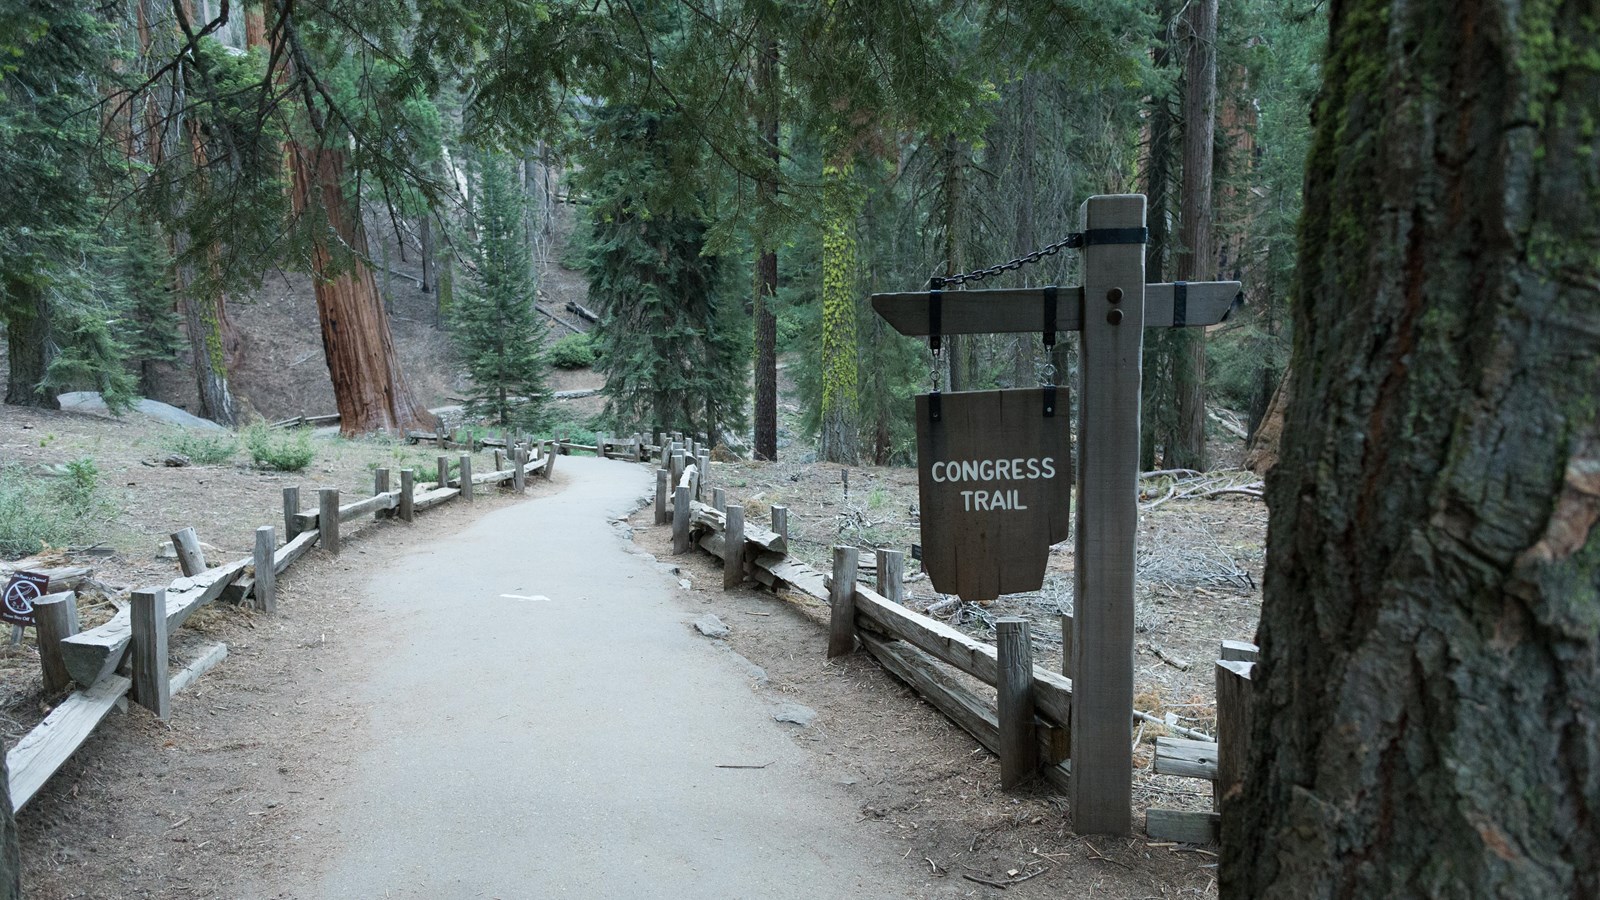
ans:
x=1069 y=242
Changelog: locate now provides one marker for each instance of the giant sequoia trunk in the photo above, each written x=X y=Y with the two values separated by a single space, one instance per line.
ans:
x=368 y=384
x=1428 y=701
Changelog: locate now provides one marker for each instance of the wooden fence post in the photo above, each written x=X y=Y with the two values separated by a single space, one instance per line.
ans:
x=719 y=500
x=466 y=477
x=380 y=485
x=328 y=519
x=55 y=618
x=694 y=481
x=677 y=467
x=892 y=575
x=1019 y=748
x=519 y=475
x=499 y=460
x=1234 y=718
x=680 y=519
x=443 y=479
x=148 y=649
x=291 y=508
x=1110 y=352
x=408 y=494
x=703 y=464
x=733 y=547
x=842 y=597
x=191 y=559
x=550 y=467
x=266 y=575
x=663 y=478
x=1066 y=645
x=780 y=523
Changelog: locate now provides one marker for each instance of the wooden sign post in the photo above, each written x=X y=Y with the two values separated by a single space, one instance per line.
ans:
x=1110 y=312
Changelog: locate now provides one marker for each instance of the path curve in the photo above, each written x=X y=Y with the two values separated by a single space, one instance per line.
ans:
x=549 y=726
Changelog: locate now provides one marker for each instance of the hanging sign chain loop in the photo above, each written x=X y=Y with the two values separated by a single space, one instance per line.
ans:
x=1074 y=240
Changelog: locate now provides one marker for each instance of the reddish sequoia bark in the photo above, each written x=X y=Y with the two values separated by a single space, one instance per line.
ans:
x=1427 y=719
x=368 y=384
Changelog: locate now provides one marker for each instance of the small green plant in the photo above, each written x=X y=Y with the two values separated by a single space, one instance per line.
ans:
x=39 y=510
x=877 y=498
x=204 y=448
x=285 y=451
x=575 y=351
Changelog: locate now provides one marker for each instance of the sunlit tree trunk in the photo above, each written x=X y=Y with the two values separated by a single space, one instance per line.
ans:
x=1427 y=718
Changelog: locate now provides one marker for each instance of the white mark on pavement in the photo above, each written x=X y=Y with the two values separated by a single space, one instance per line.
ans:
x=535 y=597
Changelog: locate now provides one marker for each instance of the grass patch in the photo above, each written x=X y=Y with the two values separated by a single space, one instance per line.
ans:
x=50 y=510
x=285 y=451
x=204 y=448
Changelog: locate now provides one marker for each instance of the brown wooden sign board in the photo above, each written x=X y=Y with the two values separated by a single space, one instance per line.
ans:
x=994 y=478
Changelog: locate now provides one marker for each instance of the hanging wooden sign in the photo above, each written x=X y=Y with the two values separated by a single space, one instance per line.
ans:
x=994 y=477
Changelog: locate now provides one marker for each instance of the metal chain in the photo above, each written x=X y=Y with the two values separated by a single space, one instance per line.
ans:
x=1069 y=242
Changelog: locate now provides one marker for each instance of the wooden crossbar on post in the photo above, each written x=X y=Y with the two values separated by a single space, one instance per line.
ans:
x=1112 y=316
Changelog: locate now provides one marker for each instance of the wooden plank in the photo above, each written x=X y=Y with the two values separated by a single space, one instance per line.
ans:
x=1186 y=826
x=148 y=649
x=96 y=653
x=1021 y=310
x=288 y=553
x=499 y=476
x=205 y=662
x=1019 y=752
x=376 y=504
x=44 y=749
x=1185 y=758
x=842 y=602
x=1234 y=723
x=430 y=499
x=1239 y=651
x=266 y=575
x=191 y=559
x=713 y=519
x=1110 y=358
x=975 y=715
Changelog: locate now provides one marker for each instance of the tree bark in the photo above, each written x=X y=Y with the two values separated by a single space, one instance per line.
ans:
x=1428 y=697
x=368 y=384
x=29 y=345
x=766 y=321
x=1196 y=256
x=1158 y=414
x=840 y=351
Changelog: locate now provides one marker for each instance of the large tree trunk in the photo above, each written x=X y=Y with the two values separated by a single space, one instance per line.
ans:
x=766 y=321
x=368 y=385
x=29 y=345
x=839 y=439
x=1428 y=699
x=1158 y=414
x=1196 y=257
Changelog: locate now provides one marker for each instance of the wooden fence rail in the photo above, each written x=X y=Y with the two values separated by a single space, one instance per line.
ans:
x=93 y=658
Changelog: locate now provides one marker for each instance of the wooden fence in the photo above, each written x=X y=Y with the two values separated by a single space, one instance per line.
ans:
x=127 y=656
x=1026 y=722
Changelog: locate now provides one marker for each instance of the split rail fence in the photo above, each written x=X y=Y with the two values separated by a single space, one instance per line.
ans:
x=1026 y=723
x=127 y=656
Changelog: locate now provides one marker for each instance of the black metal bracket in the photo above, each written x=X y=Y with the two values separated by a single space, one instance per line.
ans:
x=1049 y=401
x=935 y=407
x=935 y=314
x=1180 y=304
x=1050 y=328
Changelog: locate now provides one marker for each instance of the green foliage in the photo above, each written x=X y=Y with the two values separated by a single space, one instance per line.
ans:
x=671 y=337
x=493 y=321
x=38 y=511
x=575 y=351
x=280 y=449
x=204 y=448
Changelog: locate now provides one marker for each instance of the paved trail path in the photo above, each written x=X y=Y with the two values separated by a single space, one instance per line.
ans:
x=566 y=745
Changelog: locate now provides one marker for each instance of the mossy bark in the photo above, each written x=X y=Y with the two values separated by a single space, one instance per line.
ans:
x=1428 y=697
x=839 y=442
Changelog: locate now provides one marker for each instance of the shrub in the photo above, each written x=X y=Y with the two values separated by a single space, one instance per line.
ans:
x=575 y=351
x=38 y=510
x=286 y=451
x=204 y=448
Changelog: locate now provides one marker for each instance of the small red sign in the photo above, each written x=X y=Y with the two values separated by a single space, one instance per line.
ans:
x=21 y=591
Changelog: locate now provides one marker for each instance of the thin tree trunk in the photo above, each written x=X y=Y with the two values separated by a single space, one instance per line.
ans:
x=368 y=384
x=1427 y=704
x=1158 y=414
x=425 y=238
x=1196 y=257
x=1027 y=233
x=30 y=345
x=766 y=321
x=956 y=349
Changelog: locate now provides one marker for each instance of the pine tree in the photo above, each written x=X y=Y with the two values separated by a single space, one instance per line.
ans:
x=671 y=338
x=493 y=320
